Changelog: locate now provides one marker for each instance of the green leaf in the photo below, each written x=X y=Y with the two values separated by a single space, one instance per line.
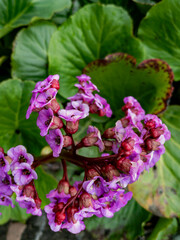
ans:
x=117 y=76
x=163 y=229
x=127 y=222
x=15 y=13
x=145 y=2
x=158 y=190
x=19 y=214
x=6 y=214
x=44 y=184
x=160 y=33
x=14 y=128
x=91 y=33
x=16 y=214
x=29 y=57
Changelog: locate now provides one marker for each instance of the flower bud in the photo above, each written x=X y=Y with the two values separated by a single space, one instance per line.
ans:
x=150 y=124
x=72 y=127
x=125 y=122
x=67 y=141
x=59 y=217
x=72 y=191
x=93 y=108
x=124 y=165
x=110 y=172
x=38 y=202
x=156 y=132
x=128 y=144
x=29 y=191
x=109 y=133
x=54 y=105
x=63 y=186
x=70 y=214
x=85 y=200
x=57 y=123
x=2 y=150
x=151 y=144
x=91 y=173
x=127 y=106
x=102 y=112
x=108 y=144
x=89 y=140
x=55 y=84
x=58 y=207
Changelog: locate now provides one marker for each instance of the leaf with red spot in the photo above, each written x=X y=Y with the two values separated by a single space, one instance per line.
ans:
x=118 y=76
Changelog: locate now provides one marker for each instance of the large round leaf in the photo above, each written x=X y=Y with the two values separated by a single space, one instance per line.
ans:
x=158 y=190
x=14 y=128
x=29 y=58
x=160 y=33
x=92 y=33
x=15 y=13
x=117 y=76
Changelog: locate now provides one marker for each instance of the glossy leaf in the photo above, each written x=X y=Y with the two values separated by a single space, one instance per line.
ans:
x=164 y=229
x=127 y=222
x=117 y=76
x=14 y=128
x=158 y=190
x=159 y=32
x=15 y=13
x=91 y=33
x=16 y=214
x=29 y=57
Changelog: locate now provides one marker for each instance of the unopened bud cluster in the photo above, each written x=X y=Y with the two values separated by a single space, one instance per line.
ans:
x=133 y=145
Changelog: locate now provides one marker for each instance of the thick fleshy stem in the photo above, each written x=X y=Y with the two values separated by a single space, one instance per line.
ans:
x=74 y=158
x=65 y=176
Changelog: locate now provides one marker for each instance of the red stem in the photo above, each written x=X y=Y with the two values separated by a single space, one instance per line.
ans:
x=65 y=176
x=73 y=158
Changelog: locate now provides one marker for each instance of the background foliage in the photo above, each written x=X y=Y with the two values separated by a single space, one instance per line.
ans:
x=112 y=41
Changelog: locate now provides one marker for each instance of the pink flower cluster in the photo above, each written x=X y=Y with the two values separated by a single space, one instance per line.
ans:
x=133 y=145
x=50 y=116
x=17 y=175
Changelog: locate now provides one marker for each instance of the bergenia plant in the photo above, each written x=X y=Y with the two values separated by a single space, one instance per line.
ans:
x=134 y=144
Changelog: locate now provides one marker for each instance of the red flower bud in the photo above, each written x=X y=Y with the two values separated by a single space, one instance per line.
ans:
x=38 y=202
x=110 y=172
x=102 y=113
x=70 y=214
x=151 y=144
x=124 y=165
x=58 y=207
x=72 y=127
x=89 y=140
x=59 y=217
x=67 y=141
x=1 y=150
x=108 y=144
x=150 y=124
x=54 y=105
x=91 y=173
x=57 y=123
x=93 y=108
x=128 y=144
x=109 y=133
x=63 y=186
x=156 y=132
x=29 y=191
x=55 y=84
x=127 y=106
x=72 y=191
x=85 y=200
x=124 y=122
